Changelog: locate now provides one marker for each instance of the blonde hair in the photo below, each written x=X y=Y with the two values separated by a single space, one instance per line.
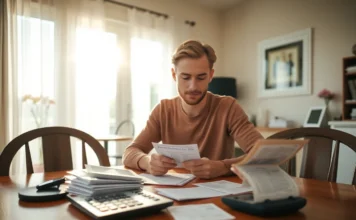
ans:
x=194 y=49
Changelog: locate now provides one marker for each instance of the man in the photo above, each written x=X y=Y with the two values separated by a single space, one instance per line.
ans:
x=194 y=117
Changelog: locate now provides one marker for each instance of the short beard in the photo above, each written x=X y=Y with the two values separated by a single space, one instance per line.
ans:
x=196 y=102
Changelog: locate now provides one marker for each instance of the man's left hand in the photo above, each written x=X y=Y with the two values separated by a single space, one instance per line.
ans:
x=205 y=168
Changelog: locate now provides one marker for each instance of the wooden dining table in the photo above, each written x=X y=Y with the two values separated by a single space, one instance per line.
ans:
x=325 y=200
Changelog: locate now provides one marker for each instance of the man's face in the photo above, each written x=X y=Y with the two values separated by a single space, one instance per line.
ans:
x=192 y=77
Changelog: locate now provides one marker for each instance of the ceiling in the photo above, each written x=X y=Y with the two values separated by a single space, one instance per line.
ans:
x=219 y=5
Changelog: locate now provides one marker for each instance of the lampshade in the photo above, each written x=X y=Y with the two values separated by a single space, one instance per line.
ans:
x=223 y=86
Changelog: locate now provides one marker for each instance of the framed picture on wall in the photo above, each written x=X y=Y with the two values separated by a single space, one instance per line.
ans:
x=285 y=65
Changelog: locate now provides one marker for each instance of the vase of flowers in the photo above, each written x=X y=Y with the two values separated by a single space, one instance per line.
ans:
x=39 y=107
x=327 y=95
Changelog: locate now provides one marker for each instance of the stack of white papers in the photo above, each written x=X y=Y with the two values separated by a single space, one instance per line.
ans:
x=82 y=188
x=204 y=190
x=111 y=173
x=96 y=181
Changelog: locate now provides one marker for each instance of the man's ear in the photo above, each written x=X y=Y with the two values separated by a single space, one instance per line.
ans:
x=211 y=74
x=174 y=75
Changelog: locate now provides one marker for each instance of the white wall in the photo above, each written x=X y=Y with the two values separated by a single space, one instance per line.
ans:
x=207 y=28
x=334 y=33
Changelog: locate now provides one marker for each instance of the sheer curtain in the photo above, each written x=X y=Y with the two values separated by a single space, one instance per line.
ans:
x=61 y=66
x=151 y=41
x=87 y=69
x=58 y=68
x=5 y=73
x=27 y=89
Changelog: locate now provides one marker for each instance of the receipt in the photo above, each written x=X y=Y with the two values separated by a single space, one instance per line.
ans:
x=206 y=211
x=179 y=153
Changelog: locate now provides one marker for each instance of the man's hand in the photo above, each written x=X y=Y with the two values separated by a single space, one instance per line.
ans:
x=205 y=168
x=157 y=164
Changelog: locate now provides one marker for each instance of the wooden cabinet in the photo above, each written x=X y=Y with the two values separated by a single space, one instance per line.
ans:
x=349 y=88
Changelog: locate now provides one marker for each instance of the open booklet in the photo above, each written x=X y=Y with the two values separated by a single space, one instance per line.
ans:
x=260 y=169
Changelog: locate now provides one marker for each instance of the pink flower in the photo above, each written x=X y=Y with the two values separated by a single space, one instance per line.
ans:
x=326 y=94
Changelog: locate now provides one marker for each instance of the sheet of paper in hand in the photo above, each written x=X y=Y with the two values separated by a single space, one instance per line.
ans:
x=179 y=153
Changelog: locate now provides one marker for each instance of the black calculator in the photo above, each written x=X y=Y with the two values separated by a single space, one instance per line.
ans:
x=125 y=204
x=268 y=208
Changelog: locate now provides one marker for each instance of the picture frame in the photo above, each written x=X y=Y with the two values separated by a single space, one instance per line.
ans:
x=285 y=65
x=316 y=117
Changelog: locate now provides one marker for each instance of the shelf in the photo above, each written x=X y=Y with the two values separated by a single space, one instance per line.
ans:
x=349 y=88
x=350 y=74
x=344 y=123
x=350 y=103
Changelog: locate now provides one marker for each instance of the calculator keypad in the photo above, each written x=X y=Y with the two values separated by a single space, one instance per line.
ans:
x=121 y=205
x=114 y=202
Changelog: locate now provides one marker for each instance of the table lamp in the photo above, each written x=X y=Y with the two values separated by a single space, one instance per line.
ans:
x=223 y=86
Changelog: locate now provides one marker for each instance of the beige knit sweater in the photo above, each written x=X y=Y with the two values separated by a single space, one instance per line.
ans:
x=215 y=129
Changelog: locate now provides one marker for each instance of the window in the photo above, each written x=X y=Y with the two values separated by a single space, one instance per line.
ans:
x=148 y=84
x=35 y=71
x=96 y=71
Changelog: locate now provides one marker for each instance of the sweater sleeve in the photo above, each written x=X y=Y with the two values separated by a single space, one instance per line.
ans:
x=142 y=144
x=241 y=129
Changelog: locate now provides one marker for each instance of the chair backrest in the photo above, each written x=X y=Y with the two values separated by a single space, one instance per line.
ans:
x=56 y=149
x=319 y=162
x=130 y=124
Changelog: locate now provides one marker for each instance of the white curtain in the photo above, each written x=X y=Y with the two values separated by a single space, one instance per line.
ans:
x=86 y=73
x=8 y=93
x=151 y=40
x=62 y=67
x=31 y=99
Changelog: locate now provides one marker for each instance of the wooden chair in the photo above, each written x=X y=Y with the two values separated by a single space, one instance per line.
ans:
x=318 y=161
x=56 y=149
x=129 y=123
x=129 y=131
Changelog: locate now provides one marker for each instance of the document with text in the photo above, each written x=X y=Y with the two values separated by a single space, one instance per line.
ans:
x=207 y=211
x=226 y=186
x=205 y=190
x=169 y=179
x=179 y=153
x=181 y=194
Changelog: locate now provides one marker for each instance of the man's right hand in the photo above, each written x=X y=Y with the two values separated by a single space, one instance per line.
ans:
x=157 y=164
